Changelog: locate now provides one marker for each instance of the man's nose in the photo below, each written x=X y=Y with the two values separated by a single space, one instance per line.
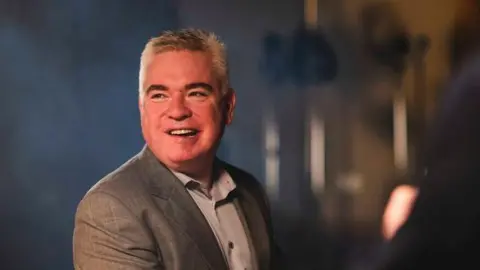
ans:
x=178 y=110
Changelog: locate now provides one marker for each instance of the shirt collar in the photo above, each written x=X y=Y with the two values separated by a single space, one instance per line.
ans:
x=222 y=186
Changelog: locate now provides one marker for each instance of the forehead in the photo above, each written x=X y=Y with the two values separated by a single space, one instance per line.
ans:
x=174 y=68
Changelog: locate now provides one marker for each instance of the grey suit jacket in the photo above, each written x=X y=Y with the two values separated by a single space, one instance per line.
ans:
x=141 y=217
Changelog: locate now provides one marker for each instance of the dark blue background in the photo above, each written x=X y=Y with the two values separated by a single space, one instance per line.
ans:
x=68 y=113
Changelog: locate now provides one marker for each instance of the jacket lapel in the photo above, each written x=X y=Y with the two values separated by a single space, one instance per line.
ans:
x=182 y=210
x=254 y=225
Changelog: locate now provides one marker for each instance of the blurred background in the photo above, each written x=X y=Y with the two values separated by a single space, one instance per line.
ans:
x=333 y=97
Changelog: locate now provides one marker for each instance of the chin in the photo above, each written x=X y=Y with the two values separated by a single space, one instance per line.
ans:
x=175 y=157
x=189 y=159
x=181 y=159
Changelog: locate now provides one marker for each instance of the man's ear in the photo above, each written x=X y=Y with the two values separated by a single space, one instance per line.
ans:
x=229 y=101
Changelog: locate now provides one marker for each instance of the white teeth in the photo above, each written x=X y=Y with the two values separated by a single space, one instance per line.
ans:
x=181 y=131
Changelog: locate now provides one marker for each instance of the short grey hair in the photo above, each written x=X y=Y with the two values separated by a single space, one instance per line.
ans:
x=187 y=39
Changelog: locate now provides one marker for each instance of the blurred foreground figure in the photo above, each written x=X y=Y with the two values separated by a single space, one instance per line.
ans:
x=175 y=205
x=442 y=217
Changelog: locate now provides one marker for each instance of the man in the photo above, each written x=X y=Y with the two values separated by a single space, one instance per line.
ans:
x=436 y=225
x=175 y=205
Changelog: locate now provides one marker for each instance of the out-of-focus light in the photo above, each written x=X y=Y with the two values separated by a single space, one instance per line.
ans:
x=317 y=153
x=272 y=160
x=400 y=139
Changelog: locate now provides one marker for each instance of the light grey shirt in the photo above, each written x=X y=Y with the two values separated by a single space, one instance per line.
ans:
x=223 y=217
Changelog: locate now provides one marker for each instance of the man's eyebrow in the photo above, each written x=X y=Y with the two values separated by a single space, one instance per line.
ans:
x=159 y=87
x=202 y=85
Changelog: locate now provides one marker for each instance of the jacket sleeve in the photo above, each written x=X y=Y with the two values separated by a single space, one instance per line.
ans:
x=107 y=235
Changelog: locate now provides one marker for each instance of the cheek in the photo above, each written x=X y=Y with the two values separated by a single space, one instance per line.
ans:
x=209 y=115
x=151 y=119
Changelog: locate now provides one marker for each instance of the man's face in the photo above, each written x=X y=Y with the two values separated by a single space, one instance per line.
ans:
x=183 y=111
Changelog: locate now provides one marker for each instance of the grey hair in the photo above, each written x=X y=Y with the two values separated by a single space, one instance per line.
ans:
x=191 y=40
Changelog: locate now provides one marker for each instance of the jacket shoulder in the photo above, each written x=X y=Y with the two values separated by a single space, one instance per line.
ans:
x=123 y=183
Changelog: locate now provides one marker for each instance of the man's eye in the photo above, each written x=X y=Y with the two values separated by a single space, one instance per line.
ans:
x=197 y=94
x=158 y=96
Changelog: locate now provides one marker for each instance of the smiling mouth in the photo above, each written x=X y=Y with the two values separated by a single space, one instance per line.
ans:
x=183 y=132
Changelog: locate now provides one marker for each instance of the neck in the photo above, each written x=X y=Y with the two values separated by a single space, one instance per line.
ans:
x=201 y=171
